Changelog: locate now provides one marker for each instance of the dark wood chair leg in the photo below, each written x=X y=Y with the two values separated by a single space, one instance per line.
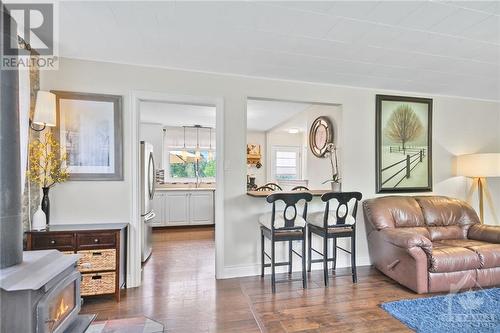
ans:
x=273 y=271
x=309 y=247
x=290 y=258
x=304 y=275
x=334 y=249
x=325 y=259
x=262 y=259
x=353 y=258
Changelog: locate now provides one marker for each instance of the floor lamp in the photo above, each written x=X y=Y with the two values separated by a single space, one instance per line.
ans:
x=479 y=167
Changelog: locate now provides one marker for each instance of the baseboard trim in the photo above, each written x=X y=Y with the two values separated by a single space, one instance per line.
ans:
x=237 y=271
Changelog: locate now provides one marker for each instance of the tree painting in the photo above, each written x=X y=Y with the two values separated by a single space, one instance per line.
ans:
x=404 y=126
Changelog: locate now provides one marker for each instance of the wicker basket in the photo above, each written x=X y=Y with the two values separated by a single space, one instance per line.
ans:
x=97 y=283
x=97 y=260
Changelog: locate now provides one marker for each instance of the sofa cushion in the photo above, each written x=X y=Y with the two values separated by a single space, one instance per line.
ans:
x=393 y=211
x=444 y=258
x=448 y=232
x=460 y=243
x=444 y=211
x=489 y=254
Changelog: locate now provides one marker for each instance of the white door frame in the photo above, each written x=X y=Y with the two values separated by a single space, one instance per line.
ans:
x=134 y=238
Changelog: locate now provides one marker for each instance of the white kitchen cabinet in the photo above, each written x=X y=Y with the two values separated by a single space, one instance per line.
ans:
x=159 y=209
x=175 y=208
x=201 y=207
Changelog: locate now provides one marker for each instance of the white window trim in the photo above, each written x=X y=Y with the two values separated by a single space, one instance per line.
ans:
x=295 y=149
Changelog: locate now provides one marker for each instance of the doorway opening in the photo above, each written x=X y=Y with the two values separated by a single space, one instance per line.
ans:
x=182 y=138
x=179 y=201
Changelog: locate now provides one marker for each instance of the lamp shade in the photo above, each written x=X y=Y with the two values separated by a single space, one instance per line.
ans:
x=479 y=165
x=45 y=109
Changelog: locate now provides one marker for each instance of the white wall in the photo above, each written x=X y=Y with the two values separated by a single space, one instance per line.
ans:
x=460 y=126
x=259 y=138
x=319 y=169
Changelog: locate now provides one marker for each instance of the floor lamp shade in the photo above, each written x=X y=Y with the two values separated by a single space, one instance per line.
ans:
x=479 y=165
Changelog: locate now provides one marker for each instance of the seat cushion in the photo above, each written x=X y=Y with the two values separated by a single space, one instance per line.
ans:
x=489 y=253
x=279 y=222
x=446 y=258
x=317 y=219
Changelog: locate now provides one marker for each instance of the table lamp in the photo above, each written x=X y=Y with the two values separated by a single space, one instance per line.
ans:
x=479 y=167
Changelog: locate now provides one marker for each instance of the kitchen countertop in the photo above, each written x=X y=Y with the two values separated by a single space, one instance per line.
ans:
x=185 y=188
x=263 y=194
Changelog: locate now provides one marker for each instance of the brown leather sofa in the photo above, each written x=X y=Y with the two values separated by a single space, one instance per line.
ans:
x=432 y=243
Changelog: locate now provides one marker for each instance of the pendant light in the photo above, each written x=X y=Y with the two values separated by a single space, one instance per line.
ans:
x=210 y=154
x=184 y=152
x=198 y=154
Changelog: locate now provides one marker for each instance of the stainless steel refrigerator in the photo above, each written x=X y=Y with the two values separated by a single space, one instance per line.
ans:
x=147 y=194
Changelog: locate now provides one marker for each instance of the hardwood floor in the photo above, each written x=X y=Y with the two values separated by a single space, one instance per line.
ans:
x=180 y=291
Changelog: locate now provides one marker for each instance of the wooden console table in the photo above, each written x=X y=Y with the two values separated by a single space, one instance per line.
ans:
x=102 y=249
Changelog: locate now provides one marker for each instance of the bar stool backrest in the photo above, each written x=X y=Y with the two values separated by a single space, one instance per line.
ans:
x=342 y=211
x=264 y=188
x=274 y=186
x=300 y=188
x=290 y=200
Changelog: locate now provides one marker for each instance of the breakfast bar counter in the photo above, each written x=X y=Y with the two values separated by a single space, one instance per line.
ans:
x=263 y=194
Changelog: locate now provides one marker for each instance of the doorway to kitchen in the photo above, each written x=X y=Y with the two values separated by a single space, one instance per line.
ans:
x=182 y=135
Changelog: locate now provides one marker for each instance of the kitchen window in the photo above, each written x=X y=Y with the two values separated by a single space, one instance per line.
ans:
x=184 y=165
x=286 y=163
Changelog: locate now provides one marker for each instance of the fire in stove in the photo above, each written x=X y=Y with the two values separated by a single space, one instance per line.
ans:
x=62 y=311
x=61 y=306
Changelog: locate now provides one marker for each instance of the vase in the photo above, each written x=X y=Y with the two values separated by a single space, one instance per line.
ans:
x=39 y=219
x=46 y=203
x=336 y=187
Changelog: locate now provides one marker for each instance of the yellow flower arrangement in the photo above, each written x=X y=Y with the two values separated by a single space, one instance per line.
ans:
x=47 y=163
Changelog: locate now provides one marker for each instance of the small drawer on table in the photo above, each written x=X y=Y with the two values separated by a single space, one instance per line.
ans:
x=98 y=283
x=96 y=241
x=61 y=242
x=97 y=260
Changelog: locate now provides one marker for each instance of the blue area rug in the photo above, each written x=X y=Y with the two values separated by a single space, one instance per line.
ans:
x=471 y=311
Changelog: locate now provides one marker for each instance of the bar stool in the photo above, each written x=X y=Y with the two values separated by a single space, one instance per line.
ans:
x=284 y=226
x=334 y=224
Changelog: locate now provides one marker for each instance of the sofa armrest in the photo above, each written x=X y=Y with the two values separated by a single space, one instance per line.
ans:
x=401 y=255
x=485 y=233
x=406 y=239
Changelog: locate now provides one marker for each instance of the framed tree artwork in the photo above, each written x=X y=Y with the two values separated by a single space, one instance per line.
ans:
x=89 y=128
x=403 y=144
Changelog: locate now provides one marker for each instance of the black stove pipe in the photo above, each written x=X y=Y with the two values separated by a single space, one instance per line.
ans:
x=11 y=230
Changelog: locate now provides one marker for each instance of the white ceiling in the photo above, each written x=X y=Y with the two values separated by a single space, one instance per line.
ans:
x=169 y=114
x=264 y=115
x=449 y=48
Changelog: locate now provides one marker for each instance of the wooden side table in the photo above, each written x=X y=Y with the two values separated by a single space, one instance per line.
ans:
x=102 y=249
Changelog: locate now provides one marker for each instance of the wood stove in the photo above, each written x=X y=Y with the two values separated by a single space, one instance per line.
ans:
x=42 y=295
